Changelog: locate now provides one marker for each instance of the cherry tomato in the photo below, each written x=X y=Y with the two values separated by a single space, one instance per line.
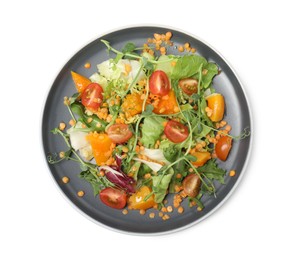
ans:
x=92 y=96
x=175 y=131
x=137 y=200
x=191 y=185
x=223 y=147
x=216 y=104
x=159 y=83
x=189 y=86
x=119 y=133
x=113 y=198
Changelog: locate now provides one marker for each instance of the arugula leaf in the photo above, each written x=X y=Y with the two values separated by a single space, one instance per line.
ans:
x=148 y=110
x=134 y=169
x=118 y=57
x=171 y=153
x=146 y=64
x=128 y=48
x=203 y=105
x=187 y=66
x=151 y=130
x=89 y=177
x=73 y=98
x=160 y=184
x=211 y=171
x=211 y=71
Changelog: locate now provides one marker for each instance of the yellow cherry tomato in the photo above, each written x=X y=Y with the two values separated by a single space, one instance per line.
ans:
x=202 y=158
x=137 y=200
x=217 y=105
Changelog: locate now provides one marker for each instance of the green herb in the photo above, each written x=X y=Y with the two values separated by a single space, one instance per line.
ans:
x=160 y=184
x=211 y=171
x=211 y=70
x=92 y=122
x=187 y=66
x=151 y=130
x=129 y=48
x=171 y=153
x=89 y=177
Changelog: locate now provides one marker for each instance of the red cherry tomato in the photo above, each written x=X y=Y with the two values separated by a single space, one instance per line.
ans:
x=119 y=133
x=113 y=198
x=223 y=147
x=175 y=131
x=191 y=185
x=189 y=86
x=92 y=96
x=159 y=83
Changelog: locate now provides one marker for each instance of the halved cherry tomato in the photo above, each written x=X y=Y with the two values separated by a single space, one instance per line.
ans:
x=202 y=158
x=137 y=200
x=80 y=81
x=159 y=83
x=113 y=198
x=223 y=147
x=167 y=104
x=92 y=96
x=119 y=133
x=101 y=146
x=189 y=86
x=175 y=131
x=191 y=185
x=216 y=103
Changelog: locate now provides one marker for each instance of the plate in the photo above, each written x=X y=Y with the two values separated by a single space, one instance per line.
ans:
x=237 y=115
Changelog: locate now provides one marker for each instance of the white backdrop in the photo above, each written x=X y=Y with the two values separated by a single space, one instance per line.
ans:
x=38 y=37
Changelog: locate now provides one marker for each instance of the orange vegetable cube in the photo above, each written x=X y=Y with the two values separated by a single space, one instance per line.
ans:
x=167 y=104
x=216 y=104
x=132 y=104
x=101 y=146
x=202 y=158
x=137 y=200
x=80 y=81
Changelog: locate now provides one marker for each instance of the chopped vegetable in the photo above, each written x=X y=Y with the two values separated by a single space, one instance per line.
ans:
x=102 y=147
x=80 y=81
x=141 y=199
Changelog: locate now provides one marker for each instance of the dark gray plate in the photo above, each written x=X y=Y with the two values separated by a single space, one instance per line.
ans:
x=237 y=114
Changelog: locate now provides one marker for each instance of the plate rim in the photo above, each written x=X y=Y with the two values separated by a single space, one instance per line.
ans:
x=229 y=194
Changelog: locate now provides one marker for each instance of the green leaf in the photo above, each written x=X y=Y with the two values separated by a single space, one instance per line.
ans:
x=187 y=66
x=151 y=130
x=212 y=71
x=129 y=47
x=134 y=169
x=171 y=153
x=160 y=184
x=165 y=64
x=212 y=171
x=191 y=158
x=74 y=98
x=148 y=110
x=118 y=57
x=146 y=64
x=88 y=176
x=203 y=105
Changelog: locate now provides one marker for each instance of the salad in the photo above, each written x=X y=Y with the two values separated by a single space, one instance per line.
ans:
x=148 y=123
